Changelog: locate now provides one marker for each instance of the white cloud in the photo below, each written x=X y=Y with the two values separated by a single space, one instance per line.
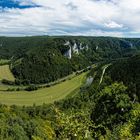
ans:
x=98 y=33
x=82 y=17
x=113 y=24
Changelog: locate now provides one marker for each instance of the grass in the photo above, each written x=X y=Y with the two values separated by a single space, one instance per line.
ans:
x=45 y=95
x=4 y=87
x=4 y=61
x=5 y=73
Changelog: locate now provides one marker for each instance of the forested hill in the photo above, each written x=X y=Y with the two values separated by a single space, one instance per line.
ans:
x=43 y=59
x=107 y=111
x=18 y=46
x=128 y=72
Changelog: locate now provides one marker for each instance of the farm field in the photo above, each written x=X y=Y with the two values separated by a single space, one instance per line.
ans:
x=5 y=73
x=44 y=95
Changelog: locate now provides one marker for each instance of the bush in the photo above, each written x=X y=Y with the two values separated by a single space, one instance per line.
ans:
x=7 y=82
x=22 y=82
x=31 y=88
x=10 y=89
x=18 y=89
x=48 y=86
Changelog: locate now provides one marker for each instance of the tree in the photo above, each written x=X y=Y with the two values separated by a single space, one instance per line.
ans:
x=74 y=125
x=112 y=107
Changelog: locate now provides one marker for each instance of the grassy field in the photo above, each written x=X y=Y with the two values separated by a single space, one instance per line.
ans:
x=45 y=95
x=4 y=61
x=5 y=73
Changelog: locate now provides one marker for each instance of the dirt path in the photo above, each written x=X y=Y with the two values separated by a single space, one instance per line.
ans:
x=103 y=72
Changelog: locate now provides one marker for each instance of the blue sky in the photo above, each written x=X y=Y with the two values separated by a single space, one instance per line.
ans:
x=120 y=18
x=16 y=4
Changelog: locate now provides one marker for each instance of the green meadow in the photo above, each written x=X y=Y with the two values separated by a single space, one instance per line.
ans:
x=5 y=73
x=44 y=95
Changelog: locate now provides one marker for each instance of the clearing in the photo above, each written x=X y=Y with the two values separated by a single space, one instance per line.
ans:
x=5 y=73
x=44 y=95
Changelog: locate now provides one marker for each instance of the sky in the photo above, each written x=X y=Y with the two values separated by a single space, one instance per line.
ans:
x=118 y=18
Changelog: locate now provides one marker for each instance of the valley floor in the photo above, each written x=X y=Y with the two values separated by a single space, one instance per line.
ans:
x=45 y=95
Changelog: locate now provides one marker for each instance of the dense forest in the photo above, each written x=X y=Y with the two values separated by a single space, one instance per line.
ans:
x=109 y=110
x=128 y=72
x=106 y=109
x=42 y=59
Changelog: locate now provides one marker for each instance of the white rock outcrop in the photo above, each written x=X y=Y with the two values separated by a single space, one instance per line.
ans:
x=97 y=47
x=68 y=53
x=74 y=49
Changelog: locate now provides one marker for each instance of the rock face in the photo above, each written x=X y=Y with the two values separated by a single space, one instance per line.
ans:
x=131 y=45
x=86 y=47
x=67 y=43
x=74 y=48
x=97 y=47
x=68 y=53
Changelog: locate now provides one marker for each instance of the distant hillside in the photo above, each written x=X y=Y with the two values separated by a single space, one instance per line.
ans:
x=18 y=46
x=44 y=59
x=128 y=72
